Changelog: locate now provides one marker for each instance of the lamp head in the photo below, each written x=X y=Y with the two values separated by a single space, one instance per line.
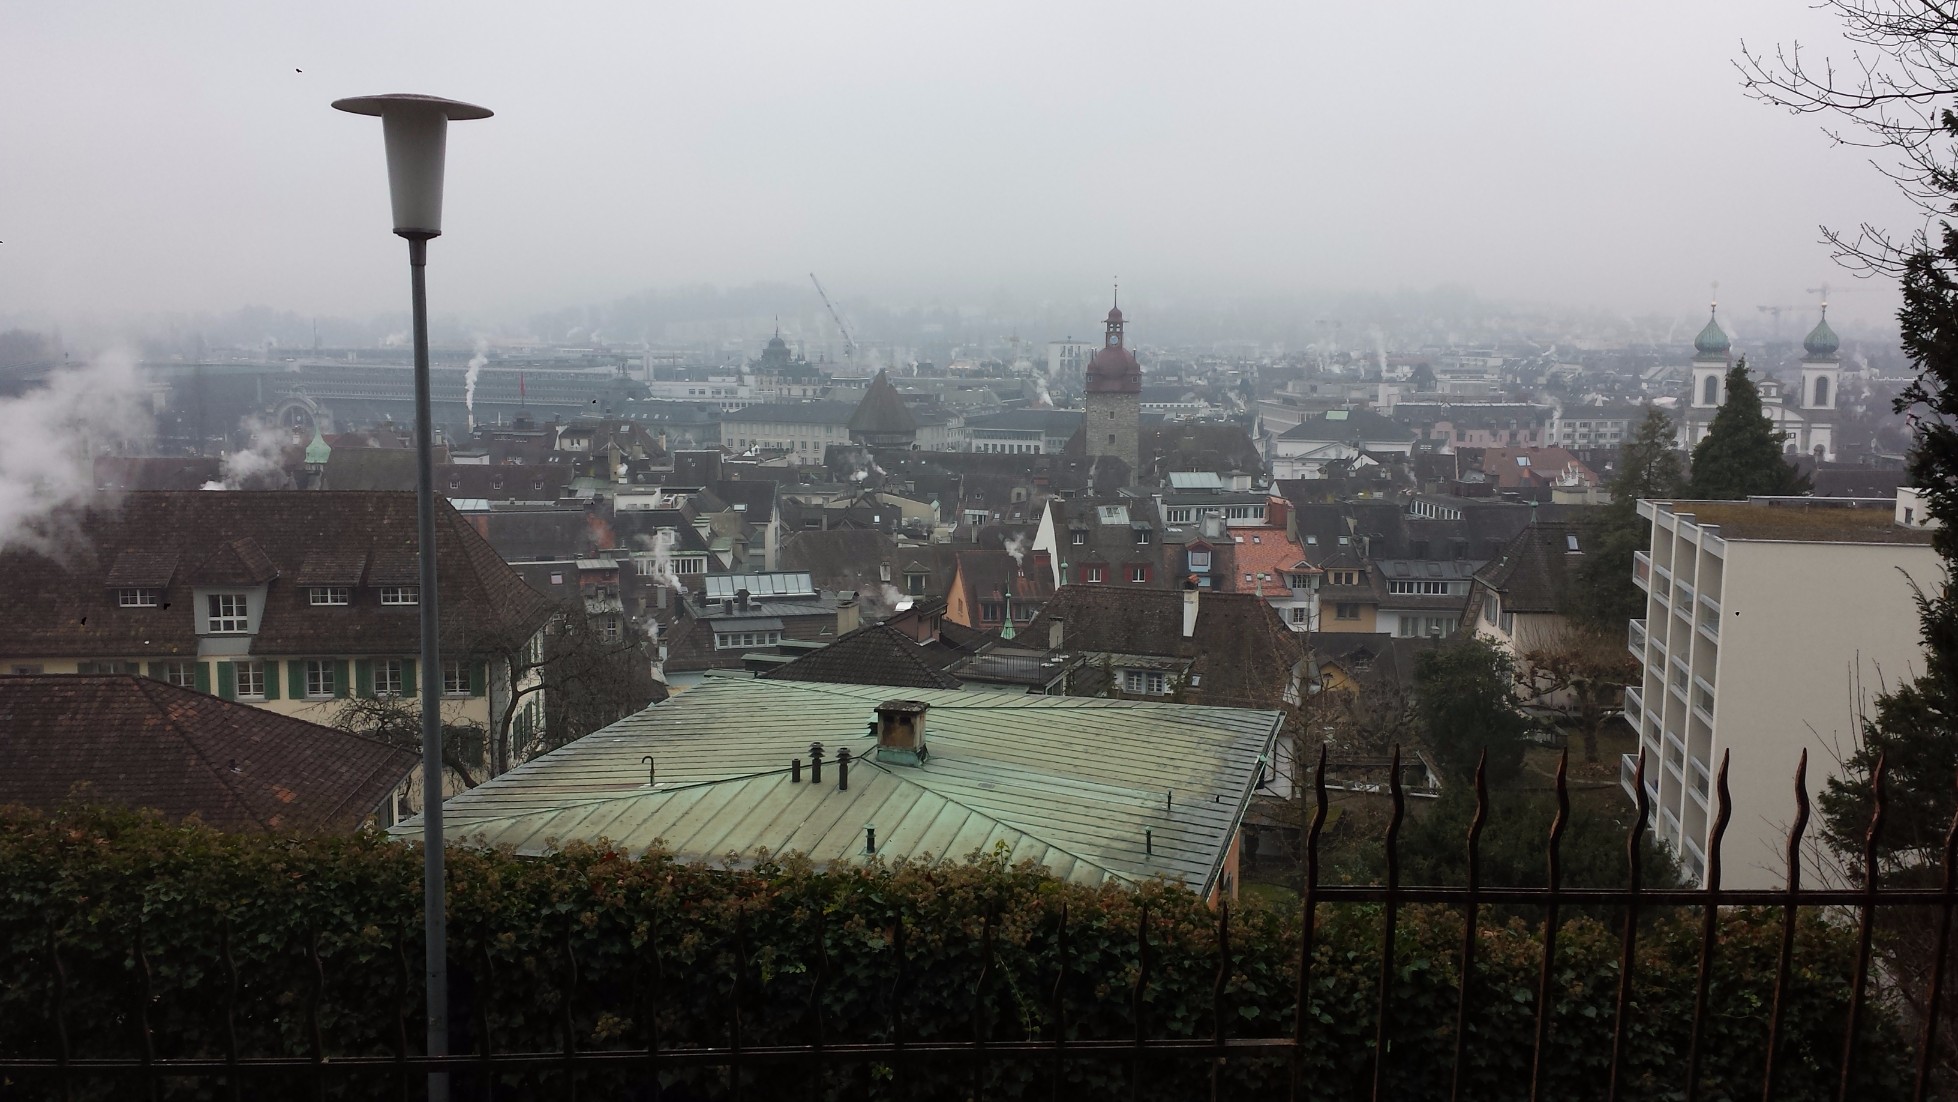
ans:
x=416 y=129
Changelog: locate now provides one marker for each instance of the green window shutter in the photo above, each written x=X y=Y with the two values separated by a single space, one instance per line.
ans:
x=227 y=681
x=271 y=679
x=407 y=677
x=156 y=671
x=339 y=677
x=363 y=677
x=476 y=679
x=296 y=671
x=201 y=676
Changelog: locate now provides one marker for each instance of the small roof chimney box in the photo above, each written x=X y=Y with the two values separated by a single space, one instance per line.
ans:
x=901 y=732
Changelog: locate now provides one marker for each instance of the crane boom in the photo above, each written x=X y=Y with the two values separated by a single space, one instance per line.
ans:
x=849 y=342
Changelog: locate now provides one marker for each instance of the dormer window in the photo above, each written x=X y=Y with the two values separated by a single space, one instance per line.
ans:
x=330 y=595
x=138 y=598
x=401 y=594
x=229 y=613
x=1080 y=539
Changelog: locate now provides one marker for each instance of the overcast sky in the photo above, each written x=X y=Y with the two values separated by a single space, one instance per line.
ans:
x=170 y=157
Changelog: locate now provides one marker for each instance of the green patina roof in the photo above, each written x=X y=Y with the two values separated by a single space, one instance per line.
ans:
x=1712 y=340
x=1071 y=783
x=318 y=451
x=1821 y=342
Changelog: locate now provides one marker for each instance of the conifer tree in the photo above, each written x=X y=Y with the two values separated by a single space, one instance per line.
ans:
x=1741 y=454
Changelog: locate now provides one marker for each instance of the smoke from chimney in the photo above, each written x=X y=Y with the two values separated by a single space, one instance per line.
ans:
x=50 y=436
x=476 y=363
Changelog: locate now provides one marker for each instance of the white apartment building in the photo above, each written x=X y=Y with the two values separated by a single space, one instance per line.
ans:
x=1770 y=625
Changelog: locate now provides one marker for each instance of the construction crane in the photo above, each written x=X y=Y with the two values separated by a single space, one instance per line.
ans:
x=849 y=342
x=1776 y=311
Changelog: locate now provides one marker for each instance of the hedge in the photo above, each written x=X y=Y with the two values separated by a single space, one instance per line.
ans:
x=655 y=939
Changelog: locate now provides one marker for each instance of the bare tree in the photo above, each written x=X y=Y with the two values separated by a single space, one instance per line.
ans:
x=1891 y=96
x=590 y=670
x=397 y=721
x=1578 y=671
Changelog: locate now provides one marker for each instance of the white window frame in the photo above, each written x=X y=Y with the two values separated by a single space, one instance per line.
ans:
x=740 y=640
x=330 y=595
x=1200 y=562
x=1145 y=682
x=320 y=679
x=455 y=677
x=181 y=673
x=1138 y=573
x=248 y=680
x=139 y=597
x=401 y=594
x=389 y=676
x=228 y=613
x=1091 y=574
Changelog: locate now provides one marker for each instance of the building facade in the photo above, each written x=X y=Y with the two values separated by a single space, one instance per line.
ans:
x=1770 y=624
x=1114 y=422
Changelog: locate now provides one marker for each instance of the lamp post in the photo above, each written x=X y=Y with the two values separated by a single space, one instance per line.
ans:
x=416 y=129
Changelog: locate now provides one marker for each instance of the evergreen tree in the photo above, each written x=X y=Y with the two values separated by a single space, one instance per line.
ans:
x=1603 y=595
x=1741 y=454
x=1465 y=703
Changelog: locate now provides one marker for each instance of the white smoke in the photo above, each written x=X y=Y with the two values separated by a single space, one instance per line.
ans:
x=661 y=545
x=395 y=340
x=50 y=436
x=476 y=363
x=263 y=457
x=1046 y=399
x=885 y=603
x=1016 y=546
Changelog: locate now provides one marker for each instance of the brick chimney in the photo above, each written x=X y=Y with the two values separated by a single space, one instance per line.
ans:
x=849 y=617
x=901 y=732
x=1191 y=592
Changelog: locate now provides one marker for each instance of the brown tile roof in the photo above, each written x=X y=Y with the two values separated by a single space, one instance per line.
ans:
x=842 y=558
x=134 y=742
x=67 y=607
x=1242 y=650
x=876 y=655
x=1530 y=573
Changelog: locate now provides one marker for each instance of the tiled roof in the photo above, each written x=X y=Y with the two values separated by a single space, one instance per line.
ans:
x=1070 y=783
x=67 y=607
x=841 y=558
x=882 y=410
x=824 y=412
x=1531 y=570
x=135 y=742
x=1348 y=425
x=1243 y=651
x=876 y=655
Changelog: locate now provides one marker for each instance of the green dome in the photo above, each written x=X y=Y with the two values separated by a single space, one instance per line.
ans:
x=1821 y=342
x=317 y=451
x=1712 y=340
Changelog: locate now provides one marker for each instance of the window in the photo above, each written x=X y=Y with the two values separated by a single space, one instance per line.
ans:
x=1346 y=611
x=1142 y=535
x=331 y=594
x=455 y=678
x=181 y=674
x=1080 y=539
x=24 y=671
x=228 y=612
x=1491 y=606
x=914 y=585
x=137 y=598
x=1425 y=589
x=1091 y=573
x=734 y=640
x=690 y=564
x=1182 y=514
x=1419 y=626
x=1344 y=577
x=989 y=611
x=1299 y=614
x=387 y=677
x=1200 y=562
x=1821 y=390
x=401 y=594
x=1139 y=573
x=320 y=683
x=1152 y=682
x=250 y=683
x=1712 y=392
x=107 y=667
x=610 y=629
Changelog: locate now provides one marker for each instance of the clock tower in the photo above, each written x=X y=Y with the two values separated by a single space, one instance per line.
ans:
x=1114 y=419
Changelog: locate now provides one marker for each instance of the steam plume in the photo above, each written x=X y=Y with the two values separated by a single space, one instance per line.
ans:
x=661 y=545
x=262 y=458
x=49 y=438
x=476 y=363
x=1017 y=547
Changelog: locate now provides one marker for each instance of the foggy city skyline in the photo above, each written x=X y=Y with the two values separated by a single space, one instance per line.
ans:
x=1255 y=160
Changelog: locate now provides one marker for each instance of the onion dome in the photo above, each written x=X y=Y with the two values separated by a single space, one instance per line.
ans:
x=1821 y=342
x=318 y=452
x=1712 y=340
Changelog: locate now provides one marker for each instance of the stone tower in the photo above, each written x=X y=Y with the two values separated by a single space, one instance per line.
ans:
x=1114 y=420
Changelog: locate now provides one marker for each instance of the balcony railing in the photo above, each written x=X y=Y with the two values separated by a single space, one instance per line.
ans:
x=1628 y=774
x=1635 y=639
x=1709 y=618
x=1634 y=707
x=1642 y=570
x=1699 y=779
x=1662 y=576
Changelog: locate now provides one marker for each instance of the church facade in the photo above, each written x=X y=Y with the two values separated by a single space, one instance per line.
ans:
x=1808 y=417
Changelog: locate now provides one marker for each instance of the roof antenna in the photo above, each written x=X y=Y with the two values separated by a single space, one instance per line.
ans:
x=652 y=770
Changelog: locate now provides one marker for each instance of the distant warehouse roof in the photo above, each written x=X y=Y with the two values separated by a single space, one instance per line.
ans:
x=1095 y=790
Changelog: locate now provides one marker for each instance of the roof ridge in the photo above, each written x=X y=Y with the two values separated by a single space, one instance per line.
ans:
x=146 y=686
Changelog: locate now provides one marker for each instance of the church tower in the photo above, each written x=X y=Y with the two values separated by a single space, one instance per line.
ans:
x=1114 y=420
x=1821 y=376
x=1711 y=351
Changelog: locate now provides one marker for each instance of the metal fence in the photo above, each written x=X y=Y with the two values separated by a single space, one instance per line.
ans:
x=475 y=1074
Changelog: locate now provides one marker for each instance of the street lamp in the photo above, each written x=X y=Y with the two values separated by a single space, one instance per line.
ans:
x=416 y=129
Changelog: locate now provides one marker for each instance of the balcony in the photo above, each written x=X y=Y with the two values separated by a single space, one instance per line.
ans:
x=1676 y=756
x=1628 y=774
x=1642 y=570
x=1634 y=707
x=1662 y=576
x=1703 y=699
x=1709 y=618
x=1698 y=779
x=1635 y=640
